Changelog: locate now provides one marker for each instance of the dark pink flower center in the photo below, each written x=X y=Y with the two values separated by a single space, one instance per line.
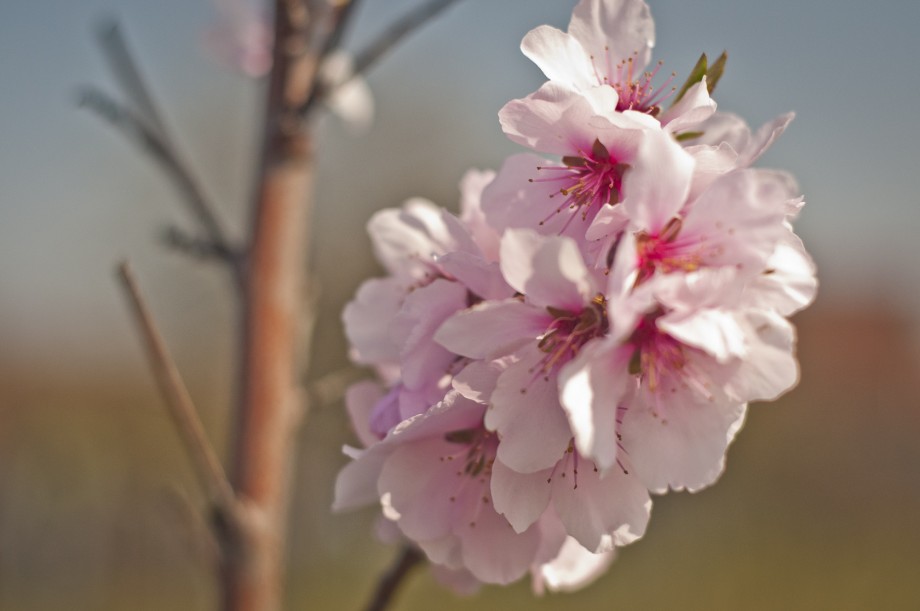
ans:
x=587 y=181
x=664 y=253
x=634 y=89
x=477 y=451
x=568 y=332
x=656 y=354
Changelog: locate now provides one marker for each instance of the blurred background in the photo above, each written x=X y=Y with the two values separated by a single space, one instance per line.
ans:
x=820 y=505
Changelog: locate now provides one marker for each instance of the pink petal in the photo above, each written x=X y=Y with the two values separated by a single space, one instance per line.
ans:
x=367 y=317
x=680 y=445
x=423 y=311
x=602 y=513
x=526 y=413
x=560 y=56
x=550 y=271
x=618 y=27
x=520 y=497
x=492 y=328
x=592 y=388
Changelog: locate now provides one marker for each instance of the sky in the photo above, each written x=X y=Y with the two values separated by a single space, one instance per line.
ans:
x=75 y=197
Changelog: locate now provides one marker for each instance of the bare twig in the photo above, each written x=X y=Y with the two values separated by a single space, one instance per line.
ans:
x=408 y=558
x=152 y=143
x=339 y=17
x=199 y=540
x=193 y=246
x=377 y=49
x=145 y=126
x=204 y=460
x=127 y=75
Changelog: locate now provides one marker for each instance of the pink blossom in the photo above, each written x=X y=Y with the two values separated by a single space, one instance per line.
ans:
x=608 y=46
x=559 y=315
x=603 y=162
x=432 y=475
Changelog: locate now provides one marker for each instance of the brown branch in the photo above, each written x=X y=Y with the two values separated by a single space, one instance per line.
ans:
x=185 y=418
x=152 y=143
x=270 y=402
x=146 y=127
x=408 y=558
x=126 y=72
x=385 y=43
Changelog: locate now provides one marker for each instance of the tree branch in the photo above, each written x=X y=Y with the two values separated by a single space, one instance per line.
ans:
x=376 y=50
x=146 y=127
x=408 y=558
x=270 y=401
x=203 y=458
x=127 y=75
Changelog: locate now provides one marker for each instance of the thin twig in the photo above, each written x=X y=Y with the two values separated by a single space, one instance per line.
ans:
x=193 y=246
x=376 y=50
x=339 y=17
x=389 y=583
x=152 y=143
x=145 y=125
x=204 y=460
x=117 y=53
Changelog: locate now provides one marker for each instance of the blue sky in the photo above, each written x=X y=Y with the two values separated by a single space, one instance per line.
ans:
x=74 y=197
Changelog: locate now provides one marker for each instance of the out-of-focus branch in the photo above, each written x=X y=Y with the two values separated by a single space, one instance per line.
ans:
x=408 y=558
x=193 y=246
x=126 y=72
x=203 y=458
x=273 y=333
x=377 y=49
x=145 y=126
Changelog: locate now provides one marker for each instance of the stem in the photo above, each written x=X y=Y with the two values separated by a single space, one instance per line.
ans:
x=377 y=49
x=204 y=460
x=144 y=124
x=389 y=583
x=269 y=411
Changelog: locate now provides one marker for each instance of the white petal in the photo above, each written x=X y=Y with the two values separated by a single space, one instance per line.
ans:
x=520 y=497
x=560 y=56
x=696 y=106
x=423 y=311
x=492 y=328
x=356 y=483
x=367 y=320
x=550 y=271
x=591 y=390
x=602 y=513
x=574 y=568
x=477 y=380
x=526 y=413
x=494 y=552
x=656 y=187
x=360 y=399
x=680 y=445
x=620 y=28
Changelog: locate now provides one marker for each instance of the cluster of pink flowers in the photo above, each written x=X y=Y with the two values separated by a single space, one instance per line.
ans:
x=588 y=331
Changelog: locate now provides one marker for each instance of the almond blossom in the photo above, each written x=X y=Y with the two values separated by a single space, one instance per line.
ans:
x=603 y=161
x=589 y=331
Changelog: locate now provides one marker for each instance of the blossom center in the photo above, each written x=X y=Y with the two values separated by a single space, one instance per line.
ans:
x=664 y=253
x=477 y=454
x=657 y=355
x=635 y=89
x=587 y=181
x=569 y=331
